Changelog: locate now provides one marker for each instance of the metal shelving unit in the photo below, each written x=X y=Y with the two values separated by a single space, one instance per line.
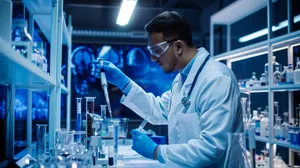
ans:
x=243 y=8
x=18 y=71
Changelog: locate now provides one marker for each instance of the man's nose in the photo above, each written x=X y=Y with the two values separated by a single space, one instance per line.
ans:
x=153 y=58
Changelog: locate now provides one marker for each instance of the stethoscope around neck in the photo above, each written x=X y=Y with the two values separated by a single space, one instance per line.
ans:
x=186 y=101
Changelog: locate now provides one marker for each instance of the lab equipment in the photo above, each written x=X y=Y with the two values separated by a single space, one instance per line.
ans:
x=253 y=80
x=109 y=143
x=263 y=79
x=244 y=106
x=276 y=108
x=97 y=120
x=41 y=140
x=277 y=76
x=285 y=126
x=275 y=64
x=123 y=129
x=290 y=74
x=116 y=140
x=97 y=151
x=44 y=62
x=259 y=114
x=20 y=34
x=64 y=138
x=278 y=129
x=291 y=134
x=89 y=115
x=263 y=124
x=256 y=122
x=297 y=72
x=78 y=117
x=104 y=87
x=283 y=74
x=104 y=122
x=142 y=125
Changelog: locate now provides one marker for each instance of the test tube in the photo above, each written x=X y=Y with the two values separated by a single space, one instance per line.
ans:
x=103 y=116
x=142 y=125
x=41 y=130
x=78 y=119
x=89 y=115
x=116 y=139
x=110 y=150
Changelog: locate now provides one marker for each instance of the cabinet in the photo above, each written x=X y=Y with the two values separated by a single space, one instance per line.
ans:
x=19 y=72
x=236 y=11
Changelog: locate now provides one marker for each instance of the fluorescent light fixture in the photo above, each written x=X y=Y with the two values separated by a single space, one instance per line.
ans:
x=125 y=12
x=263 y=32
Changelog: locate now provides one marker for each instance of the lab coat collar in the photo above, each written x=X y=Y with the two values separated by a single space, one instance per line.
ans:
x=200 y=57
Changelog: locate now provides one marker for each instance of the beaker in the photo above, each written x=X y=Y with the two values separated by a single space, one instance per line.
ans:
x=41 y=130
x=89 y=115
x=123 y=129
x=65 y=137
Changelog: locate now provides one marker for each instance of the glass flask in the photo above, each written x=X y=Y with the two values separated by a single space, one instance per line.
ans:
x=283 y=74
x=290 y=74
x=285 y=126
x=263 y=79
x=277 y=76
x=297 y=72
x=253 y=80
x=278 y=129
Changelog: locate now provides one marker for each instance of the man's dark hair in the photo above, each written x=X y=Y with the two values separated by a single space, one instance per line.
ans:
x=173 y=26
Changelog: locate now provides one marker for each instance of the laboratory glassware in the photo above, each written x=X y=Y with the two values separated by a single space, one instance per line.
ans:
x=104 y=122
x=263 y=124
x=41 y=140
x=297 y=72
x=263 y=79
x=123 y=129
x=97 y=120
x=142 y=125
x=116 y=139
x=90 y=104
x=78 y=117
x=64 y=138
x=252 y=80
x=277 y=76
x=290 y=74
x=285 y=126
x=274 y=63
x=256 y=122
x=283 y=74
x=278 y=129
x=104 y=87
x=244 y=106
x=109 y=143
x=20 y=34
x=276 y=108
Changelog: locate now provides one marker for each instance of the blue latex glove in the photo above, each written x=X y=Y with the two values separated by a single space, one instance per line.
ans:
x=143 y=144
x=113 y=74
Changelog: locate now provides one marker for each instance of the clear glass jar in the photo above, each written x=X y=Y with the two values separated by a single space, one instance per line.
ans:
x=290 y=74
x=285 y=127
x=253 y=80
x=297 y=72
x=278 y=128
x=283 y=74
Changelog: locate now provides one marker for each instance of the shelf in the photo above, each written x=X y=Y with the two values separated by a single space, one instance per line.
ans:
x=262 y=139
x=41 y=10
x=17 y=70
x=258 y=49
x=286 y=144
x=275 y=88
x=64 y=89
x=241 y=8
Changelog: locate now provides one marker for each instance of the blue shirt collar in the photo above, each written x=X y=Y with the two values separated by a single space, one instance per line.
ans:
x=184 y=73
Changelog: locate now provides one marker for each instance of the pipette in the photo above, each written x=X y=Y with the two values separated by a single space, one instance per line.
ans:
x=142 y=125
x=104 y=87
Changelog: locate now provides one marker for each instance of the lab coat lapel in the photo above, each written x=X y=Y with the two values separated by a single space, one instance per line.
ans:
x=200 y=57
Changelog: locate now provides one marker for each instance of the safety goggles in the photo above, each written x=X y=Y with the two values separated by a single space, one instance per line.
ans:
x=160 y=49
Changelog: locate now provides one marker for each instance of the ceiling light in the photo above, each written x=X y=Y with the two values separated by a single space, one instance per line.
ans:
x=125 y=12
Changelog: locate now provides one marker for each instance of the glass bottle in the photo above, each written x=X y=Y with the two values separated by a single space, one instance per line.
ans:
x=283 y=74
x=278 y=128
x=244 y=106
x=291 y=133
x=274 y=63
x=285 y=126
x=276 y=108
x=297 y=72
x=290 y=74
x=20 y=34
x=263 y=79
x=256 y=122
x=253 y=80
x=263 y=124
x=277 y=76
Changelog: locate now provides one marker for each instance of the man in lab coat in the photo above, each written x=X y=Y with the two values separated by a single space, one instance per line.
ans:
x=201 y=108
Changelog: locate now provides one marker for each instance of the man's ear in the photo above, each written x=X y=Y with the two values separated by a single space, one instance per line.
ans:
x=179 y=47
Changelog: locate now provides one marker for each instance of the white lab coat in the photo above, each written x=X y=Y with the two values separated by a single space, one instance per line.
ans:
x=198 y=133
